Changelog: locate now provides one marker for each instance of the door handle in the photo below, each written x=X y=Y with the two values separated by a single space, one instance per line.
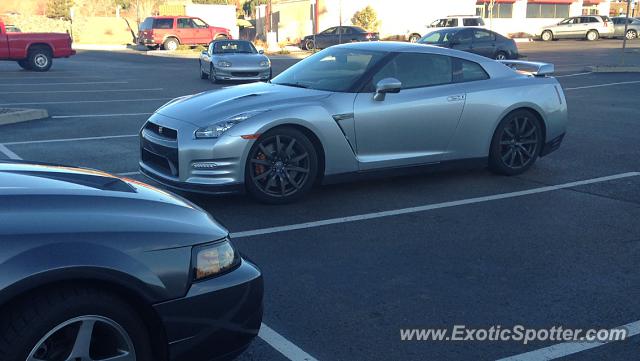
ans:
x=455 y=98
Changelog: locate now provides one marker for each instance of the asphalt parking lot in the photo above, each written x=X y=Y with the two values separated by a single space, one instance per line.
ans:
x=559 y=245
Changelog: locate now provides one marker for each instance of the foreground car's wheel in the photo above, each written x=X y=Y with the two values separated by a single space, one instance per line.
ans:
x=282 y=166
x=547 y=35
x=73 y=324
x=592 y=35
x=516 y=143
x=203 y=75
x=631 y=34
x=24 y=64
x=39 y=58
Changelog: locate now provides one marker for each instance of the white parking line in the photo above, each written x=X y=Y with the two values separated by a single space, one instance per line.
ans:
x=570 y=75
x=90 y=101
x=98 y=115
x=58 y=84
x=282 y=345
x=6 y=151
x=428 y=207
x=70 y=139
x=569 y=348
x=83 y=91
x=603 y=85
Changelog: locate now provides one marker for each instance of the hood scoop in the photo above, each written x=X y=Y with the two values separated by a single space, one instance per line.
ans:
x=234 y=99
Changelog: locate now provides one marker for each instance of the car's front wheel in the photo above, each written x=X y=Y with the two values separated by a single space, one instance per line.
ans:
x=70 y=323
x=212 y=74
x=547 y=35
x=592 y=35
x=310 y=45
x=631 y=34
x=516 y=143
x=282 y=166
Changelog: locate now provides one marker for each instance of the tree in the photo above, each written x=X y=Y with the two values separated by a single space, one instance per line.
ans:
x=249 y=6
x=366 y=18
x=59 y=9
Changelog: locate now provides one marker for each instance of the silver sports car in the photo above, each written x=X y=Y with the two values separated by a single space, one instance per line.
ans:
x=353 y=110
x=234 y=60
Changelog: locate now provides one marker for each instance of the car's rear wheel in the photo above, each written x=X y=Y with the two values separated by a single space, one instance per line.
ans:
x=547 y=35
x=516 y=143
x=212 y=74
x=71 y=323
x=310 y=45
x=40 y=58
x=170 y=44
x=413 y=38
x=592 y=35
x=203 y=75
x=501 y=55
x=282 y=166
x=24 y=64
x=631 y=34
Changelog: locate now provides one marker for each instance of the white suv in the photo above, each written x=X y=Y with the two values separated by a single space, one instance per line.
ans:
x=448 y=22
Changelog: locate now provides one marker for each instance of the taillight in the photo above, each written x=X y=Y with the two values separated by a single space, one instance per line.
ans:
x=606 y=23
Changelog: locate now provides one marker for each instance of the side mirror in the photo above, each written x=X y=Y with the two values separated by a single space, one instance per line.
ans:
x=386 y=85
x=205 y=52
x=260 y=51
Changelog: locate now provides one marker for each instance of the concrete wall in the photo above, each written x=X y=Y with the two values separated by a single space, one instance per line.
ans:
x=292 y=20
x=216 y=15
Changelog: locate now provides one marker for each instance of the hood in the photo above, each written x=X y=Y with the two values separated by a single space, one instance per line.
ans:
x=70 y=200
x=204 y=108
x=240 y=60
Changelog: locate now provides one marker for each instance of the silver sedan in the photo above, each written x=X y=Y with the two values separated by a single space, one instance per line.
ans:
x=234 y=60
x=353 y=110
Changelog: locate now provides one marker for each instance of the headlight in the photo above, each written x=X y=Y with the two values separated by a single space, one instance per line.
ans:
x=224 y=64
x=265 y=64
x=216 y=130
x=214 y=259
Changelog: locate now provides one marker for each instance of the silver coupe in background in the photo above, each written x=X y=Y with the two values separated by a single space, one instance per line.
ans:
x=353 y=110
x=234 y=60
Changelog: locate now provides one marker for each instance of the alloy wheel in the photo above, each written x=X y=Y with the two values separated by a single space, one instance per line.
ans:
x=41 y=60
x=631 y=35
x=85 y=338
x=519 y=142
x=280 y=167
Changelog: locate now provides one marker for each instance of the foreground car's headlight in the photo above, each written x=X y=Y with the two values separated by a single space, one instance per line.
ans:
x=214 y=259
x=224 y=64
x=216 y=130
x=265 y=64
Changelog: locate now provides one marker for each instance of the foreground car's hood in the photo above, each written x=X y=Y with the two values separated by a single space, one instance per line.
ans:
x=241 y=60
x=205 y=108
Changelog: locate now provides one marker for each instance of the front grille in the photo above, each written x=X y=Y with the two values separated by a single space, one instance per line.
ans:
x=244 y=74
x=164 y=132
x=161 y=158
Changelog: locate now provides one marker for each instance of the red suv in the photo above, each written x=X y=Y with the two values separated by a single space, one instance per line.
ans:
x=171 y=31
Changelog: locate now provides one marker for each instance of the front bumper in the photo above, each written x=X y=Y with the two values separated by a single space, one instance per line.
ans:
x=173 y=160
x=217 y=319
x=243 y=74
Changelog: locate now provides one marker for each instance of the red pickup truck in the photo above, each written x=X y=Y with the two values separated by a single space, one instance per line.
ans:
x=171 y=31
x=34 y=51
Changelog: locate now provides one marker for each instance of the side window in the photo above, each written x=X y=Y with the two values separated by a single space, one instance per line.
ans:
x=347 y=31
x=464 y=37
x=199 y=23
x=451 y=23
x=470 y=22
x=163 y=24
x=185 y=23
x=416 y=70
x=483 y=35
x=465 y=71
x=330 y=31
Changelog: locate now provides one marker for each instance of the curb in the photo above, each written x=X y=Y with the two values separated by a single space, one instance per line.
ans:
x=613 y=69
x=98 y=47
x=11 y=116
x=169 y=54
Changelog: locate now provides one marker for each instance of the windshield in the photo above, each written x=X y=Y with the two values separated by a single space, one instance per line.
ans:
x=233 y=47
x=440 y=37
x=333 y=69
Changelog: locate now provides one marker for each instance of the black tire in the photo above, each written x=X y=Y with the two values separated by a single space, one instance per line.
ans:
x=546 y=35
x=39 y=58
x=170 y=44
x=203 y=75
x=631 y=34
x=270 y=76
x=592 y=35
x=516 y=143
x=24 y=64
x=310 y=45
x=413 y=38
x=291 y=172
x=212 y=74
x=26 y=323
x=501 y=55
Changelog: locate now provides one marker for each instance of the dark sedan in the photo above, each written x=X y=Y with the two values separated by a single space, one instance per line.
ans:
x=474 y=40
x=337 y=35
x=97 y=267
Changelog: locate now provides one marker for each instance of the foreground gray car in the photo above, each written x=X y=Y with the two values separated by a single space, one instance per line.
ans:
x=351 y=110
x=234 y=60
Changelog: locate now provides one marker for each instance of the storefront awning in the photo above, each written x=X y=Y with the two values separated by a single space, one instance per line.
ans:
x=551 y=1
x=496 y=1
x=591 y=2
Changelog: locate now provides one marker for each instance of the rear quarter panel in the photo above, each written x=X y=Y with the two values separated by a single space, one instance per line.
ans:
x=488 y=102
x=19 y=43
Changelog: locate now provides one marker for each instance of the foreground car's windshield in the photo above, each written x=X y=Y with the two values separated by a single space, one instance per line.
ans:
x=233 y=47
x=333 y=69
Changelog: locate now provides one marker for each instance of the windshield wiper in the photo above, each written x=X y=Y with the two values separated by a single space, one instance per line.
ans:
x=296 y=85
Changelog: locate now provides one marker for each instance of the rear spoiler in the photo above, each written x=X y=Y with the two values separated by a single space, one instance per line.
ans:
x=532 y=67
